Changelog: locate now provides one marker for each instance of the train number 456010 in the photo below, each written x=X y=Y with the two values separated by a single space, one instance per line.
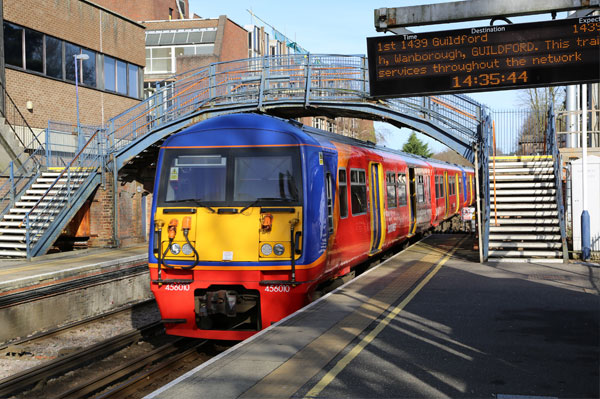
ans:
x=277 y=288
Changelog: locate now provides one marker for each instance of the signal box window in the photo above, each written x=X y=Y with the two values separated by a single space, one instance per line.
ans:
x=402 y=194
x=390 y=180
x=343 y=193
x=358 y=191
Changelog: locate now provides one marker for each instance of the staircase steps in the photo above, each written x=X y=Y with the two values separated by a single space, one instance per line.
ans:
x=524 y=218
x=12 y=226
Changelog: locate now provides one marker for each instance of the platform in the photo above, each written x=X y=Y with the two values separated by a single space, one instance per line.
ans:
x=62 y=288
x=429 y=322
x=53 y=268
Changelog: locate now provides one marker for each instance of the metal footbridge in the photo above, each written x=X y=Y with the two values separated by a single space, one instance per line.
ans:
x=287 y=86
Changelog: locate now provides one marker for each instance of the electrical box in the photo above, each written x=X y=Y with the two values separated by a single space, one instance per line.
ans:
x=592 y=204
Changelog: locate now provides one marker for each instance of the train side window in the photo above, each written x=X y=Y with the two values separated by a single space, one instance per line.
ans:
x=427 y=188
x=358 y=191
x=329 y=188
x=402 y=194
x=437 y=187
x=343 y=193
x=420 y=189
x=390 y=179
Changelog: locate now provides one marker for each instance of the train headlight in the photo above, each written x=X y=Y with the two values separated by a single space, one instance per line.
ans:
x=175 y=249
x=266 y=249
x=279 y=249
x=187 y=249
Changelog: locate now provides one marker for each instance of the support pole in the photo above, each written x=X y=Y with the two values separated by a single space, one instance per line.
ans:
x=479 y=226
x=585 y=216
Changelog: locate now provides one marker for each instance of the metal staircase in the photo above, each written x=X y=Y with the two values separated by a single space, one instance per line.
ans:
x=526 y=213
x=36 y=209
x=524 y=220
x=41 y=198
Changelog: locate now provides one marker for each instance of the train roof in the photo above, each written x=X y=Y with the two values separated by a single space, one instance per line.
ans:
x=368 y=144
x=294 y=133
x=271 y=132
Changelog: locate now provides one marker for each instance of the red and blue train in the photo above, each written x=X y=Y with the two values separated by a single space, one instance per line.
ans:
x=251 y=213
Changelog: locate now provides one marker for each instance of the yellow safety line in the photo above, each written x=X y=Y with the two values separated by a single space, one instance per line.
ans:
x=330 y=376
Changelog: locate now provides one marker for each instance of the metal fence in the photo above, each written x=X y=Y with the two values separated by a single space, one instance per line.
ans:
x=523 y=131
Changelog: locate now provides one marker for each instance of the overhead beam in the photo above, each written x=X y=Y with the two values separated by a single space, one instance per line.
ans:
x=469 y=10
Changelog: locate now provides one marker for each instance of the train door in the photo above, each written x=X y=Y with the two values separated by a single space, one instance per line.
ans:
x=412 y=204
x=377 y=208
x=446 y=195
x=456 y=177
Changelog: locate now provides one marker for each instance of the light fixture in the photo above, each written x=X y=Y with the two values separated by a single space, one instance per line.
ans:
x=266 y=249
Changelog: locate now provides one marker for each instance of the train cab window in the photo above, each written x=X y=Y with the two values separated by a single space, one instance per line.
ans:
x=190 y=173
x=402 y=194
x=358 y=191
x=343 y=193
x=390 y=179
x=230 y=177
x=420 y=189
x=329 y=188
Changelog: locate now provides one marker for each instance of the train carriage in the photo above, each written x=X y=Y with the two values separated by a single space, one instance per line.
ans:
x=251 y=213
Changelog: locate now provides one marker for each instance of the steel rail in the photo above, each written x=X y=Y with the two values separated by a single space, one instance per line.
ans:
x=26 y=379
x=112 y=377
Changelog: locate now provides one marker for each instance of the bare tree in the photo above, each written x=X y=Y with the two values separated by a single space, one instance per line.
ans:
x=536 y=102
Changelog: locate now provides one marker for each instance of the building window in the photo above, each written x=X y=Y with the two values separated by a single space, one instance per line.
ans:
x=88 y=68
x=71 y=51
x=390 y=180
x=109 y=74
x=121 y=77
x=13 y=45
x=133 y=72
x=54 y=57
x=34 y=51
x=343 y=193
x=402 y=194
x=358 y=191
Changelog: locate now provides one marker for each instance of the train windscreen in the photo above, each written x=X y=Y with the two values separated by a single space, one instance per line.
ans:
x=230 y=177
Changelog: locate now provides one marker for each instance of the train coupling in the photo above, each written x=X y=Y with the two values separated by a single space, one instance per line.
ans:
x=217 y=302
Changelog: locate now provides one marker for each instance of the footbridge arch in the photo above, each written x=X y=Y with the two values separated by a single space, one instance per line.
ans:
x=288 y=86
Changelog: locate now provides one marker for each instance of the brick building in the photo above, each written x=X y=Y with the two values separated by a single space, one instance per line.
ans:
x=177 y=46
x=41 y=39
x=149 y=10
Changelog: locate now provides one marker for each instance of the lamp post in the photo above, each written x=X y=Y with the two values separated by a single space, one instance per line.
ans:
x=76 y=58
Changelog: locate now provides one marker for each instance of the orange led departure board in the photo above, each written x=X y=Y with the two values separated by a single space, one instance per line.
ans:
x=548 y=53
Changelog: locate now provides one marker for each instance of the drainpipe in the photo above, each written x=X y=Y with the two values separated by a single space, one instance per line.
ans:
x=2 y=76
x=571 y=116
x=115 y=203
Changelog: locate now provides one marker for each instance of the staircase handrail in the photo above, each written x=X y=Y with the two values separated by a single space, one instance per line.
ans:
x=61 y=174
x=21 y=119
x=552 y=149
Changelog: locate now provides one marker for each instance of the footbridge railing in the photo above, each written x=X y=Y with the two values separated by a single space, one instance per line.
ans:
x=288 y=86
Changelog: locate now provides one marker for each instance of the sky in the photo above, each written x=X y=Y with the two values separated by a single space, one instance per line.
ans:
x=341 y=27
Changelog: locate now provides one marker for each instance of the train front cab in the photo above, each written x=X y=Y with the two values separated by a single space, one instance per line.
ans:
x=229 y=236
